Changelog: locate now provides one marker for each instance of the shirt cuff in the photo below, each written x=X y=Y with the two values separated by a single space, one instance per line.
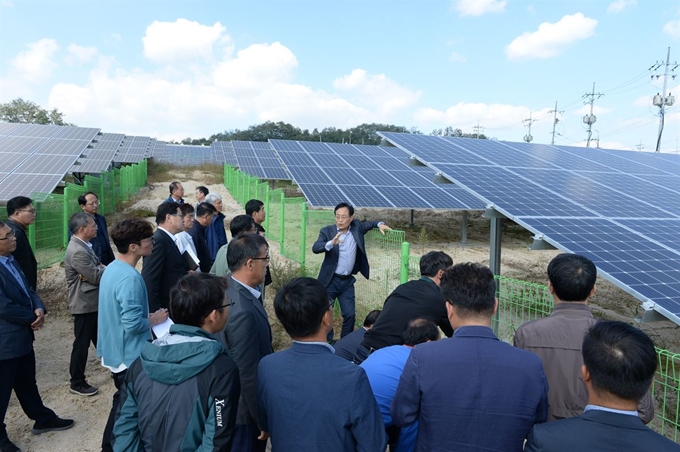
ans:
x=329 y=245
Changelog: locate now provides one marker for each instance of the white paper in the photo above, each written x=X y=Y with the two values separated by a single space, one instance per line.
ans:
x=162 y=329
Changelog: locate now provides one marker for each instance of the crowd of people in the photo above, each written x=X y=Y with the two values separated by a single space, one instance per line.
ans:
x=188 y=343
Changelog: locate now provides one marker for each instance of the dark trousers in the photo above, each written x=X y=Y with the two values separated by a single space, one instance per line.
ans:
x=85 y=332
x=245 y=439
x=19 y=374
x=107 y=440
x=342 y=288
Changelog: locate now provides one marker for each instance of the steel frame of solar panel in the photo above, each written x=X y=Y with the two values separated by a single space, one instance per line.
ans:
x=619 y=208
x=100 y=154
x=365 y=176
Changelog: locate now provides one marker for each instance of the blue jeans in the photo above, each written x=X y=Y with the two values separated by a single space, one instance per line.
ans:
x=343 y=290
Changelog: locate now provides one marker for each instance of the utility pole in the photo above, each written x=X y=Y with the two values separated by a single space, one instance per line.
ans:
x=478 y=129
x=527 y=123
x=591 y=118
x=662 y=100
x=555 y=121
x=640 y=146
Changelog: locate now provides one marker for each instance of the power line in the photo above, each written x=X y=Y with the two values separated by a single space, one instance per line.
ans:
x=591 y=118
x=662 y=100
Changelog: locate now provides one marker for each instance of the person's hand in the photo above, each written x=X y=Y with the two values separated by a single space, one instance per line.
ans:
x=38 y=322
x=263 y=436
x=383 y=227
x=158 y=317
x=336 y=240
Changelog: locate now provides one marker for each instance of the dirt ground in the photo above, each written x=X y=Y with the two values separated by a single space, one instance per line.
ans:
x=433 y=230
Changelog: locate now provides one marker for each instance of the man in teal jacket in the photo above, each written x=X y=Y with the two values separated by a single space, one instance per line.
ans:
x=182 y=392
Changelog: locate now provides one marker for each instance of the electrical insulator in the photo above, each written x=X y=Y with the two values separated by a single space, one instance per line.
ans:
x=528 y=138
x=589 y=119
x=670 y=100
x=656 y=100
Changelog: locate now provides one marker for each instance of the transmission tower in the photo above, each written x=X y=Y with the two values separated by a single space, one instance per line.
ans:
x=590 y=119
x=555 y=121
x=662 y=101
x=527 y=123
x=477 y=129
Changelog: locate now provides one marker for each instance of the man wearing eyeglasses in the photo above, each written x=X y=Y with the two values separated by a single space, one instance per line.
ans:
x=345 y=256
x=101 y=245
x=247 y=334
x=21 y=214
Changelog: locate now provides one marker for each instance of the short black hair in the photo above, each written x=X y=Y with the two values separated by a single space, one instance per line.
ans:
x=254 y=205
x=186 y=209
x=204 y=208
x=203 y=189
x=300 y=306
x=173 y=186
x=82 y=200
x=165 y=209
x=132 y=230
x=344 y=204
x=470 y=288
x=419 y=331
x=621 y=359
x=371 y=317
x=16 y=203
x=572 y=276
x=195 y=296
x=241 y=223
x=242 y=248
x=79 y=220
x=434 y=261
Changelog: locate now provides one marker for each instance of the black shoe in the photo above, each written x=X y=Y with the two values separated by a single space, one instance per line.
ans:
x=8 y=446
x=54 y=425
x=83 y=389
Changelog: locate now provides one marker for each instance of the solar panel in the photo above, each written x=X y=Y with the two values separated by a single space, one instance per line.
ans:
x=619 y=208
x=225 y=151
x=258 y=159
x=365 y=176
x=99 y=155
x=132 y=150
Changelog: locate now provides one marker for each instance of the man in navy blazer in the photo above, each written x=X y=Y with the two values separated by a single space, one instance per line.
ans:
x=345 y=256
x=619 y=362
x=176 y=193
x=471 y=392
x=164 y=266
x=247 y=334
x=310 y=399
x=21 y=313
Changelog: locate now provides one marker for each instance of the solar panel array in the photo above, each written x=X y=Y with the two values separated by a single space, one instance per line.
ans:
x=366 y=176
x=34 y=158
x=258 y=159
x=619 y=208
x=225 y=151
x=134 y=149
x=99 y=154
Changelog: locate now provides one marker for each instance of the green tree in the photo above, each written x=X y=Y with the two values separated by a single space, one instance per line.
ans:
x=27 y=112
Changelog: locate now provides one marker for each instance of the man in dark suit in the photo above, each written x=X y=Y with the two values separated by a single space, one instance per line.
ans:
x=176 y=193
x=21 y=214
x=472 y=391
x=347 y=346
x=203 y=217
x=101 y=245
x=310 y=399
x=619 y=362
x=21 y=313
x=411 y=300
x=164 y=266
x=345 y=256
x=247 y=334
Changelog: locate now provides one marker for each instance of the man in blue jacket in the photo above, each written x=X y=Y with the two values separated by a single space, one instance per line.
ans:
x=345 y=256
x=183 y=391
x=311 y=400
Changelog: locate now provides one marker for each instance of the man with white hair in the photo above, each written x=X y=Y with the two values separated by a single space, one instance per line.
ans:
x=215 y=233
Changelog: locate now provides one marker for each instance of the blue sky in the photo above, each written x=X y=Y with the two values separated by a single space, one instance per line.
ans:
x=173 y=69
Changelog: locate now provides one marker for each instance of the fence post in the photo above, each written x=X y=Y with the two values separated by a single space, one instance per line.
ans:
x=282 y=224
x=65 y=222
x=405 y=253
x=266 y=209
x=303 y=236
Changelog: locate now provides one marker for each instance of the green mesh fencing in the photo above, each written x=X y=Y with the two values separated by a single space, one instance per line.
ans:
x=665 y=391
x=292 y=240
x=46 y=234
x=275 y=214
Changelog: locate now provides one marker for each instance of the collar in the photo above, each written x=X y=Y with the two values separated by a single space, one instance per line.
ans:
x=6 y=260
x=256 y=293
x=426 y=278
x=167 y=232
x=565 y=306
x=475 y=331
x=23 y=228
x=88 y=244
x=610 y=410
x=317 y=344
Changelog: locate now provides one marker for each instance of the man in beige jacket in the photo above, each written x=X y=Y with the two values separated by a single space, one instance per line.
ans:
x=83 y=272
x=558 y=339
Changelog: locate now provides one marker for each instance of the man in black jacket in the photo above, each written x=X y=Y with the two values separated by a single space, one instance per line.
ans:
x=101 y=245
x=21 y=214
x=420 y=298
x=203 y=217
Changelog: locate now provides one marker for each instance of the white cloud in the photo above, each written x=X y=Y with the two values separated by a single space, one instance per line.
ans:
x=672 y=29
x=617 y=6
x=457 y=57
x=465 y=114
x=551 y=38
x=79 y=55
x=597 y=110
x=478 y=7
x=175 y=42
x=6 y=3
x=36 y=64
x=383 y=94
x=643 y=101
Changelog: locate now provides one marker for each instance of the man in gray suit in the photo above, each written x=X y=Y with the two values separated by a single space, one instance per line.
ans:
x=247 y=334
x=83 y=272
